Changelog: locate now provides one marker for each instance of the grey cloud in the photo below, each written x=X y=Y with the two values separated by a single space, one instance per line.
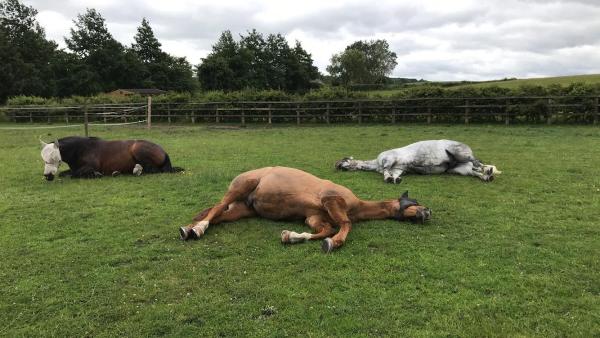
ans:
x=529 y=33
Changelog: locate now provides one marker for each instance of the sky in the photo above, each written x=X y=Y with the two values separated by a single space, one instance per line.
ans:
x=437 y=40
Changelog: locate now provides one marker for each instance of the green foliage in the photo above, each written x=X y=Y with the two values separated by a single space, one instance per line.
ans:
x=363 y=62
x=256 y=63
x=146 y=45
x=25 y=53
x=517 y=257
x=159 y=69
x=96 y=63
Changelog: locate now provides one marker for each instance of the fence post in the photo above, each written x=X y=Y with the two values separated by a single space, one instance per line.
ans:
x=149 y=111
x=85 y=119
x=393 y=112
x=216 y=113
x=193 y=114
x=467 y=111
x=297 y=113
x=243 y=114
x=270 y=115
x=359 y=112
x=169 y=113
x=327 y=113
x=67 y=116
x=48 y=114
x=595 y=111
x=549 y=120
x=428 y=113
x=506 y=112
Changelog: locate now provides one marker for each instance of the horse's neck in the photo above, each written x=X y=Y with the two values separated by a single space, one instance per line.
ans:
x=68 y=153
x=375 y=210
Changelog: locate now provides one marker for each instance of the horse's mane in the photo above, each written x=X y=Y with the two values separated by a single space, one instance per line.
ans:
x=70 y=140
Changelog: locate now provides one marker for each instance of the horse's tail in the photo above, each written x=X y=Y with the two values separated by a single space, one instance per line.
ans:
x=168 y=168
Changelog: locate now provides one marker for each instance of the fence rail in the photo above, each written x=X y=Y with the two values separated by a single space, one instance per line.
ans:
x=502 y=110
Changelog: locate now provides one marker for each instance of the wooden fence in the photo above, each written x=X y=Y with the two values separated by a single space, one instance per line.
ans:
x=500 y=110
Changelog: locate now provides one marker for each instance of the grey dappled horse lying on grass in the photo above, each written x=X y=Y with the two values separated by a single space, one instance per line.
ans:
x=91 y=157
x=425 y=157
x=286 y=193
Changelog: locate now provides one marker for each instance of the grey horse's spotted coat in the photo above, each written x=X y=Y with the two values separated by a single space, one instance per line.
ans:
x=424 y=157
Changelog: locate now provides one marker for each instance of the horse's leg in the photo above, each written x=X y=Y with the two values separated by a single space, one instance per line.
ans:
x=467 y=169
x=388 y=170
x=337 y=209
x=396 y=175
x=238 y=191
x=148 y=156
x=321 y=229
x=235 y=211
x=65 y=173
x=86 y=172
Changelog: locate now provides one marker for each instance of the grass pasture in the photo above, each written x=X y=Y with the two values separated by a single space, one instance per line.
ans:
x=515 y=257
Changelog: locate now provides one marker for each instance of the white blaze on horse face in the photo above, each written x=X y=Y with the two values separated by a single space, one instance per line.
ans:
x=51 y=156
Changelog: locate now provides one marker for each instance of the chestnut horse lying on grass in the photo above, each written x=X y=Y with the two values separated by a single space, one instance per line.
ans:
x=286 y=193
x=91 y=157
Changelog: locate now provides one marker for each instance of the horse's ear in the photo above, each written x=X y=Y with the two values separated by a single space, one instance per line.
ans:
x=404 y=195
x=42 y=142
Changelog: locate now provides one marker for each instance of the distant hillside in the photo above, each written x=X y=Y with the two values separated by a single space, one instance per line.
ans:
x=506 y=83
x=543 y=81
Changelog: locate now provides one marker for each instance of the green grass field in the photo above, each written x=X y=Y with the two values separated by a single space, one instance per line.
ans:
x=515 y=257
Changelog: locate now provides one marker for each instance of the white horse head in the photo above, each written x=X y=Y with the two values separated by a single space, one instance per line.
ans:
x=52 y=159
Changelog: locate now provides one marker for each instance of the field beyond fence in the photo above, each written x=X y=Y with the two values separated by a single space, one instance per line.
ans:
x=499 y=110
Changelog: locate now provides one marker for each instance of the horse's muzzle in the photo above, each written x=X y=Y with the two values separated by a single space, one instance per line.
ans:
x=422 y=215
x=49 y=177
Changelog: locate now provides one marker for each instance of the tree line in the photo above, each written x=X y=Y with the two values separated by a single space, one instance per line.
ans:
x=95 y=62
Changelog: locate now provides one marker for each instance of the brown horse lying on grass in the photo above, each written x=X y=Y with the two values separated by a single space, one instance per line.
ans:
x=91 y=157
x=286 y=193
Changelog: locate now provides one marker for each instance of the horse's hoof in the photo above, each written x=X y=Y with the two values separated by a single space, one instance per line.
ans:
x=116 y=173
x=491 y=178
x=183 y=233
x=389 y=179
x=197 y=233
x=398 y=180
x=327 y=245
x=285 y=236
x=138 y=169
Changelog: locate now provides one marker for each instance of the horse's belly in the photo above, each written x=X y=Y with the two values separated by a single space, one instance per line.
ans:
x=429 y=170
x=279 y=205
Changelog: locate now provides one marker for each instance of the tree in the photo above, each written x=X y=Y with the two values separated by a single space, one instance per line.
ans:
x=363 y=62
x=89 y=35
x=300 y=71
x=27 y=53
x=256 y=62
x=114 y=66
x=146 y=45
x=160 y=69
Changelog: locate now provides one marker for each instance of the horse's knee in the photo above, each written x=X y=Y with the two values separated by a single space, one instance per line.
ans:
x=138 y=169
